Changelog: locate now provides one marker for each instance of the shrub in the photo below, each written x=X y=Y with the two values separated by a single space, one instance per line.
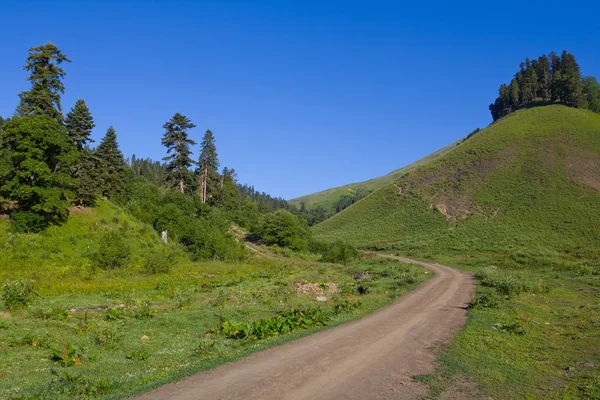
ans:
x=336 y=252
x=485 y=300
x=283 y=229
x=27 y=222
x=107 y=334
x=55 y=313
x=67 y=356
x=113 y=251
x=159 y=260
x=138 y=355
x=18 y=294
x=114 y=314
x=285 y=323
x=510 y=284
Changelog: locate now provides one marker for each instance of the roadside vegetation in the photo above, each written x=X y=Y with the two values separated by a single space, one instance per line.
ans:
x=71 y=329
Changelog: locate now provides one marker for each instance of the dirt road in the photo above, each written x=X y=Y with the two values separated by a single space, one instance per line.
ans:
x=372 y=358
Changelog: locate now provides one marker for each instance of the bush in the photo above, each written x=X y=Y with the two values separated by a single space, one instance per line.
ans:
x=283 y=229
x=27 y=222
x=113 y=251
x=159 y=260
x=485 y=300
x=18 y=294
x=267 y=327
x=510 y=284
x=338 y=252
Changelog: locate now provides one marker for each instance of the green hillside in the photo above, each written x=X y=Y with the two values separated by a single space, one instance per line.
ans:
x=326 y=198
x=518 y=204
x=531 y=180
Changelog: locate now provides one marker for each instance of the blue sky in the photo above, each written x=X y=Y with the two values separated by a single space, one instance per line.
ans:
x=301 y=96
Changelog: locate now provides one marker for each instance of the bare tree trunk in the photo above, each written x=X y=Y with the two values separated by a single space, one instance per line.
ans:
x=182 y=186
x=203 y=184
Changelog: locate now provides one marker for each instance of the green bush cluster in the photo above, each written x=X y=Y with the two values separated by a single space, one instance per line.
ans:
x=18 y=294
x=159 y=260
x=510 y=283
x=285 y=323
x=113 y=251
x=334 y=252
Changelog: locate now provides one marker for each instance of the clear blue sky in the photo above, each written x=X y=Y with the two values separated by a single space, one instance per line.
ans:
x=301 y=96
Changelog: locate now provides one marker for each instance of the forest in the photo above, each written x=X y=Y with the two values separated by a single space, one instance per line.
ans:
x=548 y=79
x=49 y=167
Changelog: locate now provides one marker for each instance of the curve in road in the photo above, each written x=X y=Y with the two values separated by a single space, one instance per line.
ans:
x=371 y=358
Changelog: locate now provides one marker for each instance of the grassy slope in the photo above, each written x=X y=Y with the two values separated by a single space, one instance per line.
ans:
x=521 y=181
x=327 y=198
x=171 y=339
x=529 y=185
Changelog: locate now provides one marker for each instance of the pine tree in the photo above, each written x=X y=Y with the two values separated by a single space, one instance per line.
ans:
x=515 y=94
x=177 y=142
x=544 y=76
x=227 y=195
x=591 y=92
x=556 y=84
x=111 y=167
x=88 y=175
x=571 y=89
x=46 y=82
x=208 y=167
x=79 y=123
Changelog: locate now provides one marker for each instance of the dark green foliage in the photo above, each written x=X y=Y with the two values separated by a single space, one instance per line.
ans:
x=113 y=251
x=348 y=199
x=283 y=229
x=591 y=93
x=202 y=229
x=88 y=175
x=208 y=167
x=18 y=294
x=339 y=252
x=35 y=167
x=178 y=143
x=79 y=124
x=552 y=77
x=285 y=323
x=113 y=174
x=153 y=171
x=27 y=222
x=46 y=82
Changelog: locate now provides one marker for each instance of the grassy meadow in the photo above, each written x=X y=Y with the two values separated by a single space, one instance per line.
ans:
x=518 y=205
x=96 y=333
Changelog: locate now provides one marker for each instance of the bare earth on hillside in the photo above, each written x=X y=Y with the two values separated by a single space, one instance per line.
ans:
x=372 y=358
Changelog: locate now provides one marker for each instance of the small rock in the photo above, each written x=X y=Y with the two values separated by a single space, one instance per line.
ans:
x=321 y=298
x=145 y=337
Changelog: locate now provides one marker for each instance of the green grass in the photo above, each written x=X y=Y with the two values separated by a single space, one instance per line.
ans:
x=327 y=198
x=518 y=204
x=160 y=327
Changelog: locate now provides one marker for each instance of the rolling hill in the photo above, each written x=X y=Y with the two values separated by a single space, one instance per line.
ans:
x=529 y=181
x=326 y=198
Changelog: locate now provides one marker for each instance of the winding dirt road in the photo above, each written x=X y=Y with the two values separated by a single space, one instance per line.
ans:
x=372 y=358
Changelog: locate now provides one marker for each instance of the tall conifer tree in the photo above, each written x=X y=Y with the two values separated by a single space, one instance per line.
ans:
x=111 y=167
x=208 y=167
x=178 y=143
x=79 y=124
x=46 y=82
